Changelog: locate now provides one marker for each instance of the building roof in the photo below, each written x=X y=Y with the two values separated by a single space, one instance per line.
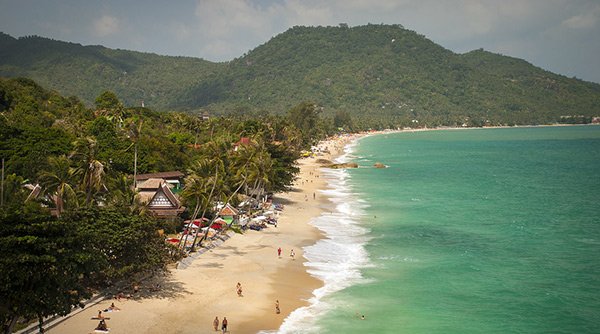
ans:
x=158 y=197
x=228 y=210
x=161 y=175
x=151 y=184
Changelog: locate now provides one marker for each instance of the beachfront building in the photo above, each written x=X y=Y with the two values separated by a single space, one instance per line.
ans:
x=228 y=213
x=157 y=195
x=174 y=178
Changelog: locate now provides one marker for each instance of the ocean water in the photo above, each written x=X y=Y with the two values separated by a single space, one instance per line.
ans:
x=467 y=231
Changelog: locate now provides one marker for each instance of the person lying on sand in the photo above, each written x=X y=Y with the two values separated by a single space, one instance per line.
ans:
x=112 y=307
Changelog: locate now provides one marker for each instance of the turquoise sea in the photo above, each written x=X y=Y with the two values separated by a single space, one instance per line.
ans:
x=467 y=231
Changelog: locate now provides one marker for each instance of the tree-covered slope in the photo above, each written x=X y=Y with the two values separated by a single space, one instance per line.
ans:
x=87 y=71
x=374 y=72
x=390 y=72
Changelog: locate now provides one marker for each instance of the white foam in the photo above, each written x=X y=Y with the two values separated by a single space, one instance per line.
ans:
x=337 y=259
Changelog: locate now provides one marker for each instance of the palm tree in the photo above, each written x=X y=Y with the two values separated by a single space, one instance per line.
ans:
x=60 y=181
x=208 y=179
x=135 y=130
x=254 y=164
x=205 y=180
x=203 y=198
x=91 y=168
x=122 y=195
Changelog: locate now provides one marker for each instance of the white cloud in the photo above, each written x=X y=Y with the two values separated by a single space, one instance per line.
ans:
x=105 y=26
x=583 y=21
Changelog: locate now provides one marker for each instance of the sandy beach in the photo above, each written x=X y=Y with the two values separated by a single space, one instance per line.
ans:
x=189 y=299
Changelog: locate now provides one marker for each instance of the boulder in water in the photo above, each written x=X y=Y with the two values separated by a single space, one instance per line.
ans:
x=343 y=165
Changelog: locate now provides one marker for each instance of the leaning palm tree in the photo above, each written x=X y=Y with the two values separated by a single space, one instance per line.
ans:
x=204 y=199
x=59 y=181
x=254 y=164
x=210 y=172
x=206 y=178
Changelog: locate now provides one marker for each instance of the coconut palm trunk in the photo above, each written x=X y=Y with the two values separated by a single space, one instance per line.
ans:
x=215 y=217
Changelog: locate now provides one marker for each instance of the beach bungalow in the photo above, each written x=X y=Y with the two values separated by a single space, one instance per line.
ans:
x=228 y=213
x=174 y=178
x=156 y=193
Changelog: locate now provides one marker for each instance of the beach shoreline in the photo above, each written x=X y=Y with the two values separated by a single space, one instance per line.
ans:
x=189 y=299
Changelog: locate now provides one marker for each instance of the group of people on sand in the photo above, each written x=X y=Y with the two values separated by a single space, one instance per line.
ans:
x=102 y=326
x=238 y=289
x=223 y=324
x=292 y=253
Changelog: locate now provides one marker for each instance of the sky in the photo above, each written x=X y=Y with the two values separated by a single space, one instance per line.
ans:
x=562 y=36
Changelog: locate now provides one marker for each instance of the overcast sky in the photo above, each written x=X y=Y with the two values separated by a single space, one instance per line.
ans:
x=562 y=36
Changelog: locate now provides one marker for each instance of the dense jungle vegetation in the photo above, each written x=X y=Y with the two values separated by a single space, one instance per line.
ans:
x=381 y=75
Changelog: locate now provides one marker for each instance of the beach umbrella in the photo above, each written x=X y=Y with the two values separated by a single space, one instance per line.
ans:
x=218 y=224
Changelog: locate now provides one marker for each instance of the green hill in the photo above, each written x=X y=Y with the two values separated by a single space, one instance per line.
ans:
x=87 y=71
x=373 y=72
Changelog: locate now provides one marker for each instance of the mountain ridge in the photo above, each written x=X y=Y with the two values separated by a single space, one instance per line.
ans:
x=372 y=71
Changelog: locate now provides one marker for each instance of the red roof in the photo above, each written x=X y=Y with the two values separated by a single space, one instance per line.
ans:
x=243 y=141
x=228 y=210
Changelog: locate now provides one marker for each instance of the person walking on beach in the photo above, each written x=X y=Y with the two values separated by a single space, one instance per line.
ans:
x=279 y=251
x=292 y=254
x=216 y=323
x=277 y=310
x=224 y=325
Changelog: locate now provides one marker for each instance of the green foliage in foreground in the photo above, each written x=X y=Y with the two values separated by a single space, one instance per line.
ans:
x=381 y=75
x=49 y=265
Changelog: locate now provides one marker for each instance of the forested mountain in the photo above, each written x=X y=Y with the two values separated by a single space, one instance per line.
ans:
x=87 y=71
x=379 y=74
